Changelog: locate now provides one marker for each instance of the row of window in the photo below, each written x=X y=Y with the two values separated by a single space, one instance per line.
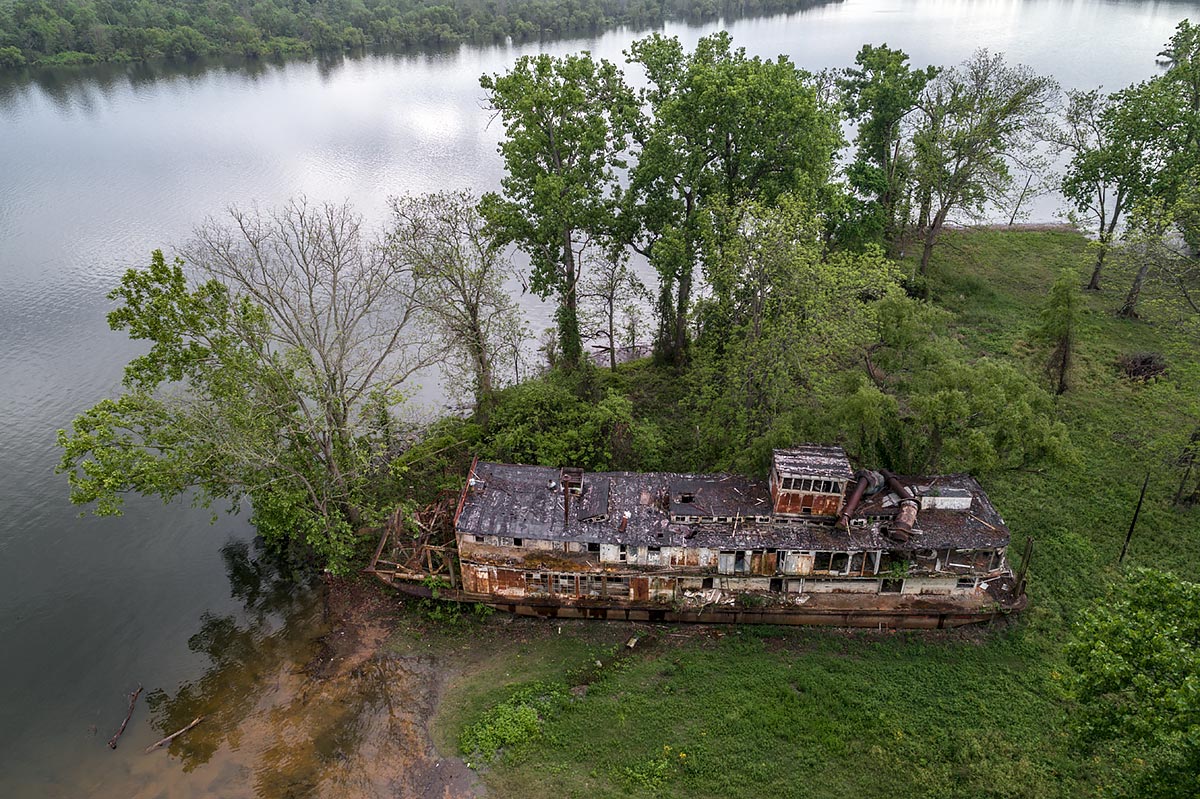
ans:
x=811 y=485
x=616 y=587
x=721 y=519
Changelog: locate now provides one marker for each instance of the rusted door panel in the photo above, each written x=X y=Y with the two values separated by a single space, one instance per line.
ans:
x=770 y=563
x=756 y=563
x=510 y=581
x=639 y=588
x=476 y=579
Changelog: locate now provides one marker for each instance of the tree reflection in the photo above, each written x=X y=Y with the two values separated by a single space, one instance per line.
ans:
x=276 y=630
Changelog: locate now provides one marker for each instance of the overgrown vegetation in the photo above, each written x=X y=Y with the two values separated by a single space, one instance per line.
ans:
x=986 y=712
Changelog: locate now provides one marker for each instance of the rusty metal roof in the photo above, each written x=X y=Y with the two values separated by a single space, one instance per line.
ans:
x=813 y=460
x=528 y=502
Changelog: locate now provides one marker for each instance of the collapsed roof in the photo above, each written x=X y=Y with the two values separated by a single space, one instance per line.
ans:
x=636 y=509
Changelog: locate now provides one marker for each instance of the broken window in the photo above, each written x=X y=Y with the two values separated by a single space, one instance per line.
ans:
x=739 y=561
x=891 y=586
x=965 y=582
x=536 y=583
x=687 y=497
x=593 y=547
x=856 y=562
x=840 y=561
x=706 y=583
x=821 y=561
x=518 y=542
x=623 y=553
x=564 y=584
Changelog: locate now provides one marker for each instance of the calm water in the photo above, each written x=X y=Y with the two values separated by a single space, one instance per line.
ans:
x=99 y=167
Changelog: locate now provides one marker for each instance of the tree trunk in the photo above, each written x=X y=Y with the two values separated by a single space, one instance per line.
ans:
x=679 y=344
x=1129 y=307
x=1094 y=283
x=931 y=234
x=568 y=310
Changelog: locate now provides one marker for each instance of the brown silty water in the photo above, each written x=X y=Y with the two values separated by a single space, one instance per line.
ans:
x=315 y=706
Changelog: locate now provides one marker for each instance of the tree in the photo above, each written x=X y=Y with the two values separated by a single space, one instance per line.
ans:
x=975 y=120
x=724 y=127
x=608 y=290
x=782 y=319
x=1060 y=319
x=1105 y=137
x=460 y=273
x=879 y=94
x=278 y=349
x=1135 y=662
x=567 y=123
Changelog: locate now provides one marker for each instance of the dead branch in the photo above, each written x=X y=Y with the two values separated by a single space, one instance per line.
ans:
x=173 y=735
x=112 y=742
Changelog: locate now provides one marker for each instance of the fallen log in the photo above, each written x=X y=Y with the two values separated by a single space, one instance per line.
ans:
x=174 y=735
x=112 y=742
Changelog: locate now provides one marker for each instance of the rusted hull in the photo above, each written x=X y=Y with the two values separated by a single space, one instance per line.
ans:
x=934 y=616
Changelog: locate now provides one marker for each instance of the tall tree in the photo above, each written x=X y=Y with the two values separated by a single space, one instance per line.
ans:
x=880 y=92
x=567 y=123
x=277 y=355
x=975 y=120
x=460 y=273
x=782 y=316
x=721 y=126
x=1105 y=136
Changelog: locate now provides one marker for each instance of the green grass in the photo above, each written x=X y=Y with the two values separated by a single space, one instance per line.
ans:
x=756 y=712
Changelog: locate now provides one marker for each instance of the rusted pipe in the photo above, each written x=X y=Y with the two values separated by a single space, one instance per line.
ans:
x=901 y=527
x=860 y=487
x=866 y=481
x=894 y=483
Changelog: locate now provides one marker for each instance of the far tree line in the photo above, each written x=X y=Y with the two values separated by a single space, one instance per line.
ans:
x=87 y=31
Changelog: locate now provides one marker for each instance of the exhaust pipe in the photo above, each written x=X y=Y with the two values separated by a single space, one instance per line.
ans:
x=867 y=482
x=901 y=527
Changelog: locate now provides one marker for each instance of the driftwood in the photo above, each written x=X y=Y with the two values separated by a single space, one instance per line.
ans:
x=112 y=742
x=174 y=735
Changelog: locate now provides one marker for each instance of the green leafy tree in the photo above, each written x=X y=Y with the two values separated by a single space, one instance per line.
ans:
x=782 y=320
x=567 y=123
x=1135 y=662
x=460 y=274
x=1060 y=323
x=277 y=355
x=1106 y=137
x=721 y=126
x=975 y=120
x=880 y=92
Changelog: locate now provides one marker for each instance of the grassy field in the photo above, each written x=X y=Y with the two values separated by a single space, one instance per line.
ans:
x=755 y=712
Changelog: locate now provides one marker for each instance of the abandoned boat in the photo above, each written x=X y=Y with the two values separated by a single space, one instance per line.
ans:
x=815 y=544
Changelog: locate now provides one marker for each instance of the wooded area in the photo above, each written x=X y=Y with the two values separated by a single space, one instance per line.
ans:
x=87 y=31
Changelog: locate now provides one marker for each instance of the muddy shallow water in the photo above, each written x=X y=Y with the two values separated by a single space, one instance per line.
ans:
x=302 y=698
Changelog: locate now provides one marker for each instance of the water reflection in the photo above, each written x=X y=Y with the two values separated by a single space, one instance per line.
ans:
x=277 y=630
x=296 y=704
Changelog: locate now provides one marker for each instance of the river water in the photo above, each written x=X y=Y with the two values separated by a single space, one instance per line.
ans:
x=100 y=166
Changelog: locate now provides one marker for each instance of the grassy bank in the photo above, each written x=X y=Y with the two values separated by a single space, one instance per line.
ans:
x=818 y=713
